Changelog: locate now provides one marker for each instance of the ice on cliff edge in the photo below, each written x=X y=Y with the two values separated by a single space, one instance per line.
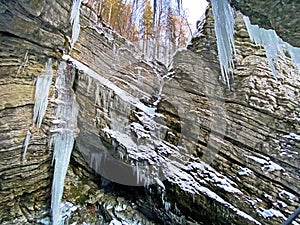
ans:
x=224 y=29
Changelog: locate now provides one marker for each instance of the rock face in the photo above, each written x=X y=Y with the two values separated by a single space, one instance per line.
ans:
x=249 y=108
x=282 y=16
x=168 y=146
x=31 y=32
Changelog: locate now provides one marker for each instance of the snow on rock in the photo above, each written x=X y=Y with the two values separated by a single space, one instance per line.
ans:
x=115 y=222
x=285 y=194
x=123 y=95
x=267 y=213
x=244 y=171
x=258 y=160
x=139 y=130
x=292 y=136
x=268 y=165
x=280 y=204
x=272 y=167
x=123 y=139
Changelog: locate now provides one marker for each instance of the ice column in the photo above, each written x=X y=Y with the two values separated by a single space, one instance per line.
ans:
x=64 y=129
x=224 y=28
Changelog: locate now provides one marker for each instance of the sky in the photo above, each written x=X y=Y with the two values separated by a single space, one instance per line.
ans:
x=194 y=10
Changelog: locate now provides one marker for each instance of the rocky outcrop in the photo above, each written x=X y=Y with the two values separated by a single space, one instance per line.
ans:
x=168 y=146
x=281 y=16
x=30 y=33
x=228 y=152
x=274 y=123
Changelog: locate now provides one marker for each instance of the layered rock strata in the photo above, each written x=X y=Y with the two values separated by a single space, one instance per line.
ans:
x=205 y=154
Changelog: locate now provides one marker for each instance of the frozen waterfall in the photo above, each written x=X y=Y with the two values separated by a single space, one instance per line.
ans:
x=65 y=125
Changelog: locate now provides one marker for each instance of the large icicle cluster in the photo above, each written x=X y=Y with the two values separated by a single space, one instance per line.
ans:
x=43 y=84
x=273 y=45
x=65 y=125
x=74 y=20
x=224 y=28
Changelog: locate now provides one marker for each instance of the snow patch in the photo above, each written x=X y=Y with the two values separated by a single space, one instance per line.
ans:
x=244 y=171
x=125 y=96
x=292 y=136
x=286 y=194
x=267 y=213
x=272 y=167
x=257 y=159
x=115 y=222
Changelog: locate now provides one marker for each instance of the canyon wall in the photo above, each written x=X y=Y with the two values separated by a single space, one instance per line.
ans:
x=204 y=153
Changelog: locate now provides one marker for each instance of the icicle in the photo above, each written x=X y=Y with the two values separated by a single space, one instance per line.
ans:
x=273 y=45
x=64 y=139
x=224 y=28
x=167 y=206
x=43 y=84
x=137 y=173
x=295 y=54
x=97 y=96
x=26 y=143
x=268 y=39
x=23 y=64
x=89 y=84
x=74 y=20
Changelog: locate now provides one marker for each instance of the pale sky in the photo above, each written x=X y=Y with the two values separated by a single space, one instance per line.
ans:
x=194 y=10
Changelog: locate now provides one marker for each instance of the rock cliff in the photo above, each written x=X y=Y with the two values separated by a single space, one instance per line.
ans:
x=169 y=146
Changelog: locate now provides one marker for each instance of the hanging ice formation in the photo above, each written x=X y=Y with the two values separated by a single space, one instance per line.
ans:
x=224 y=28
x=43 y=84
x=74 y=20
x=295 y=54
x=273 y=45
x=269 y=40
x=41 y=94
x=26 y=143
x=65 y=125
